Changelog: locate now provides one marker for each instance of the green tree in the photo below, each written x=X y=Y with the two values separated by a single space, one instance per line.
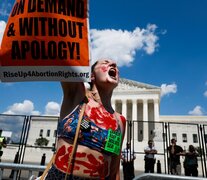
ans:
x=41 y=141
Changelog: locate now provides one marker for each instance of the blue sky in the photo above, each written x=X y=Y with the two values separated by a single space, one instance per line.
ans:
x=160 y=42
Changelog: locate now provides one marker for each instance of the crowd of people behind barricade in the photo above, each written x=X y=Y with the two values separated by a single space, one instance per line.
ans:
x=190 y=162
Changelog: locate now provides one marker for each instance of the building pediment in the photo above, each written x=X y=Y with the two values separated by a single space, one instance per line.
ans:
x=130 y=85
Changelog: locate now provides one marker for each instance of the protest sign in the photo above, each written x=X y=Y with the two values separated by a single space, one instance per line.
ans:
x=46 y=40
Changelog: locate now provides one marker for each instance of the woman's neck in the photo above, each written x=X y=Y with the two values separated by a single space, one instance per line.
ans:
x=102 y=97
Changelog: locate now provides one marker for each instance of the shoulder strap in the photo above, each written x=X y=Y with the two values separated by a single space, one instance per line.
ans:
x=71 y=156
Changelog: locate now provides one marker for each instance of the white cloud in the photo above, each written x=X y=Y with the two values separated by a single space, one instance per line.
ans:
x=52 y=108
x=27 y=108
x=122 y=45
x=24 y=108
x=167 y=89
x=197 y=111
x=2 y=28
x=5 y=10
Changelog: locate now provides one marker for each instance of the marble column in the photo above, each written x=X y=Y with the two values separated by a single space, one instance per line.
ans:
x=156 y=109
x=124 y=108
x=134 y=110
x=145 y=119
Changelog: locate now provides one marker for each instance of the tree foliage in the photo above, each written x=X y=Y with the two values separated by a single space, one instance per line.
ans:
x=41 y=141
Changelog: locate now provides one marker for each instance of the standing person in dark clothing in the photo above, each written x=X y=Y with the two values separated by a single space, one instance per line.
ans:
x=128 y=158
x=149 y=158
x=191 y=162
x=175 y=152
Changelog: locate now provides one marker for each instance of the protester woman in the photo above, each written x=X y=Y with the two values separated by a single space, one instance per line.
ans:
x=97 y=154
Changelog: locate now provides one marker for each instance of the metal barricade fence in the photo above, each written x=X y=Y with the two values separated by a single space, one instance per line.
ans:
x=16 y=167
x=165 y=177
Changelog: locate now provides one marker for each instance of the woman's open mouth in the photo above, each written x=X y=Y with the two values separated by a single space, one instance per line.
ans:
x=112 y=73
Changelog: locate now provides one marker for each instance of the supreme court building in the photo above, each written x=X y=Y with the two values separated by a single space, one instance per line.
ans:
x=138 y=102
